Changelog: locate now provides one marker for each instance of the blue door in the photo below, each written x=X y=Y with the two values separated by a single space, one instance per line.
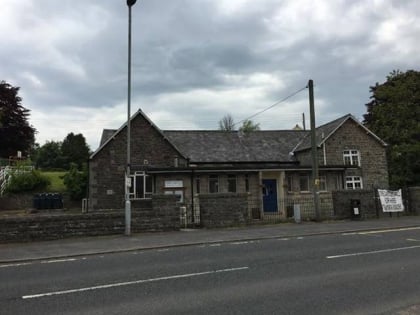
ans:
x=270 y=195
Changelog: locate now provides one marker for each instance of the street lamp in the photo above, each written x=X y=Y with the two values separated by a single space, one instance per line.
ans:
x=130 y=3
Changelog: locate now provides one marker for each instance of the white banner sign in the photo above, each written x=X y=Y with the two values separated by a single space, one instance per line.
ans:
x=391 y=200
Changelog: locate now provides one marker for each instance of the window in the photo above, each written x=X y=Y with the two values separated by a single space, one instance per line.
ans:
x=351 y=157
x=175 y=187
x=197 y=184
x=354 y=182
x=323 y=183
x=231 y=183
x=289 y=183
x=213 y=184
x=304 y=183
x=141 y=186
x=246 y=182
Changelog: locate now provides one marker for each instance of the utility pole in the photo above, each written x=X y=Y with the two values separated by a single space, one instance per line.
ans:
x=127 y=212
x=315 y=175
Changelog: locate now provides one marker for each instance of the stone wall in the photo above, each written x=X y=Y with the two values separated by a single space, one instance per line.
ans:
x=107 y=167
x=351 y=136
x=368 y=204
x=223 y=210
x=160 y=214
x=413 y=199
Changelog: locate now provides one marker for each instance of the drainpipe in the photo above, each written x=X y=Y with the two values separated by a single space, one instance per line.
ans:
x=192 y=197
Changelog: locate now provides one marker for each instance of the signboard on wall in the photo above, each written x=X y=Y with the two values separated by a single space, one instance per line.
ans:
x=391 y=200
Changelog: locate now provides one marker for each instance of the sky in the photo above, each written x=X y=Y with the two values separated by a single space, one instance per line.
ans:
x=195 y=61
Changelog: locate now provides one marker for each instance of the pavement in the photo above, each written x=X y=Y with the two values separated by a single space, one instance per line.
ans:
x=96 y=245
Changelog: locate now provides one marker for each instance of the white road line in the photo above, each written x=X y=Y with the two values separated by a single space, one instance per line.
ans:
x=16 y=265
x=42 y=262
x=373 y=252
x=240 y=243
x=120 y=284
x=412 y=240
x=215 y=245
x=391 y=230
x=58 y=260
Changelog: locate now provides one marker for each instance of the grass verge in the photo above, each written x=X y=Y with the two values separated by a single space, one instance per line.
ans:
x=57 y=183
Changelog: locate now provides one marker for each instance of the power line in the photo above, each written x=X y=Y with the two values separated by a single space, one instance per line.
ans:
x=271 y=106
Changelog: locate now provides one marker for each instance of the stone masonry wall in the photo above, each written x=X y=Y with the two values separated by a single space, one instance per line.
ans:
x=343 y=208
x=373 y=169
x=162 y=214
x=107 y=168
x=223 y=210
x=413 y=198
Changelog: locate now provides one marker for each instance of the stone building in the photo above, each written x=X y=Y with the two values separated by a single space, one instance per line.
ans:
x=269 y=166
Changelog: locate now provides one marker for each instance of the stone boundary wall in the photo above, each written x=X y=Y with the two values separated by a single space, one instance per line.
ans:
x=163 y=214
x=223 y=210
x=369 y=208
x=413 y=198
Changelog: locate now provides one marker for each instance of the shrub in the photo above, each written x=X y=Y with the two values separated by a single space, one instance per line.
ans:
x=27 y=182
x=76 y=182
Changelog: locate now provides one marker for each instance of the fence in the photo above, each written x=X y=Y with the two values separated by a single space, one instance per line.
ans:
x=286 y=207
x=4 y=178
x=224 y=209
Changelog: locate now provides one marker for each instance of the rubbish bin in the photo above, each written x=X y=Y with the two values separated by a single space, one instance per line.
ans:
x=42 y=201
x=57 y=201
x=36 y=202
x=49 y=201
x=355 y=209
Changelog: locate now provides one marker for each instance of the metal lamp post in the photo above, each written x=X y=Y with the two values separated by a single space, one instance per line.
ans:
x=130 y=3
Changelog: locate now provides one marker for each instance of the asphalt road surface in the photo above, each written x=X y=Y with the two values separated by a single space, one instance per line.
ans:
x=374 y=272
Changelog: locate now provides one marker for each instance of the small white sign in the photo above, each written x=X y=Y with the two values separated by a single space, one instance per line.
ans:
x=173 y=184
x=391 y=200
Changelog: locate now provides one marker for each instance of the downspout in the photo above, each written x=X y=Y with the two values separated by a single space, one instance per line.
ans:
x=88 y=187
x=192 y=197
x=324 y=151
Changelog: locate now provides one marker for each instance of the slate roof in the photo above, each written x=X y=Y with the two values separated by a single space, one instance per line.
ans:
x=214 y=146
x=106 y=134
x=325 y=131
x=202 y=146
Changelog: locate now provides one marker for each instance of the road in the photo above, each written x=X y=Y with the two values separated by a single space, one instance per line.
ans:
x=373 y=272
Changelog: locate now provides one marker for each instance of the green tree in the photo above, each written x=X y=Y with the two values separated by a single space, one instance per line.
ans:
x=16 y=134
x=227 y=123
x=49 y=156
x=76 y=182
x=75 y=150
x=394 y=115
x=248 y=126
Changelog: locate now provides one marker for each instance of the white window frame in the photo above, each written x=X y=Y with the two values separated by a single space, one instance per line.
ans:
x=353 y=181
x=351 y=157
x=134 y=194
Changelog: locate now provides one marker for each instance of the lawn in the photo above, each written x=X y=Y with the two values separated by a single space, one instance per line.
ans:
x=56 y=178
